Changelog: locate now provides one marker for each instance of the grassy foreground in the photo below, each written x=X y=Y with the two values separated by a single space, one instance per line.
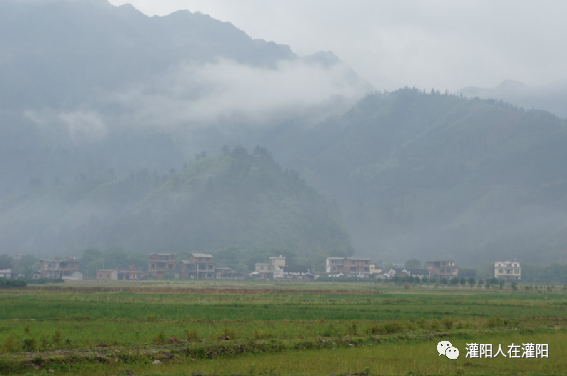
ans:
x=310 y=329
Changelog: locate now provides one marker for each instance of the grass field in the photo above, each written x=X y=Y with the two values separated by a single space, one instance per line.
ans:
x=272 y=328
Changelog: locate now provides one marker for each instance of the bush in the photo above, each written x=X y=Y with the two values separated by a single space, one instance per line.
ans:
x=229 y=332
x=9 y=344
x=159 y=338
x=42 y=281
x=494 y=322
x=385 y=328
x=448 y=323
x=434 y=325
x=352 y=329
x=57 y=337
x=191 y=335
x=11 y=283
x=28 y=344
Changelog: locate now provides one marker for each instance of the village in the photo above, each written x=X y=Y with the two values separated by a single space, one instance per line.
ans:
x=201 y=266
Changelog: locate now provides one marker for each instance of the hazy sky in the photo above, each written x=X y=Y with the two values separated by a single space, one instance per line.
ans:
x=427 y=43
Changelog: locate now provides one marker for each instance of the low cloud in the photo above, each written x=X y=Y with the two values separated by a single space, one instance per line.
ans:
x=79 y=126
x=210 y=93
x=195 y=96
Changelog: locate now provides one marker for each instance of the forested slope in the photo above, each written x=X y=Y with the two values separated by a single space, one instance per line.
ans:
x=236 y=200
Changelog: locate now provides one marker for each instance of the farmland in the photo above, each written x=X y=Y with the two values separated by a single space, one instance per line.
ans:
x=273 y=328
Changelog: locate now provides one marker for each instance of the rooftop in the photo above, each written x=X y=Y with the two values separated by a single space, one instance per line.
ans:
x=201 y=255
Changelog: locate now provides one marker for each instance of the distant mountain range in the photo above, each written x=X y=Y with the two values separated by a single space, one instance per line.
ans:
x=237 y=203
x=86 y=86
x=551 y=97
x=429 y=175
x=106 y=117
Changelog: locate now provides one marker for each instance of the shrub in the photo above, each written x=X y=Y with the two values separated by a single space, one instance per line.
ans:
x=57 y=337
x=159 y=338
x=28 y=344
x=352 y=329
x=448 y=323
x=9 y=344
x=329 y=331
x=191 y=335
x=494 y=322
x=260 y=335
x=434 y=325
x=229 y=332
x=43 y=342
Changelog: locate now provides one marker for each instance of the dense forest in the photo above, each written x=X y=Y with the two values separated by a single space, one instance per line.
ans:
x=433 y=175
x=242 y=203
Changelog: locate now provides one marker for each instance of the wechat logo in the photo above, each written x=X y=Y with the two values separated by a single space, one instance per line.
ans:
x=447 y=349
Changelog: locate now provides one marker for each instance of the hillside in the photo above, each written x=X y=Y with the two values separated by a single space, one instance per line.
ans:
x=551 y=97
x=440 y=176
x=236 y=200
x=86 y=87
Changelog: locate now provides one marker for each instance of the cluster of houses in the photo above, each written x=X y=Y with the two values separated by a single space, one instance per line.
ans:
x=201 y=266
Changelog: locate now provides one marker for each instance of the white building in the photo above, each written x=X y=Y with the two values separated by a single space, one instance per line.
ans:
x=507 y=270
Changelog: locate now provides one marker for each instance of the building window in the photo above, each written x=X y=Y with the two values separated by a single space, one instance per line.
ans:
x=516 y=271
x=501 y=271
x=442 y=270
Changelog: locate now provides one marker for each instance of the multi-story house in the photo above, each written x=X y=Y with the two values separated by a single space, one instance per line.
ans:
x=161 y=263
x=442 y=269
x=198 y=266
x=350 y=266
x=266 y=270
x=6 y=273
x=132 y=273
x=507 y=270
x=65 y=269
x=333 y=264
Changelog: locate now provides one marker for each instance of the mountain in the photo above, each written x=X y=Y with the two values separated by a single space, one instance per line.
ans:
x=242 y=202
x=440 y=176
x=87 y=87
x=551 y=97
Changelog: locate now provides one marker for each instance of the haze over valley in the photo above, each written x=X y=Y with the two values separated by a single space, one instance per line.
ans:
x=180 y=133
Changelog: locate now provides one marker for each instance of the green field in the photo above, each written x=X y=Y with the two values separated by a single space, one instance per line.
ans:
x=274 y=328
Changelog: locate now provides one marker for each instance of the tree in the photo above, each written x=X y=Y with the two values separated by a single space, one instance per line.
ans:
x=502 y=282
x=463 y=282
x=472 y=282
x=413 y=263
x=454 y=281
x=425 y=280
x=27 y=265
x=6 y=262
x=115 y=258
